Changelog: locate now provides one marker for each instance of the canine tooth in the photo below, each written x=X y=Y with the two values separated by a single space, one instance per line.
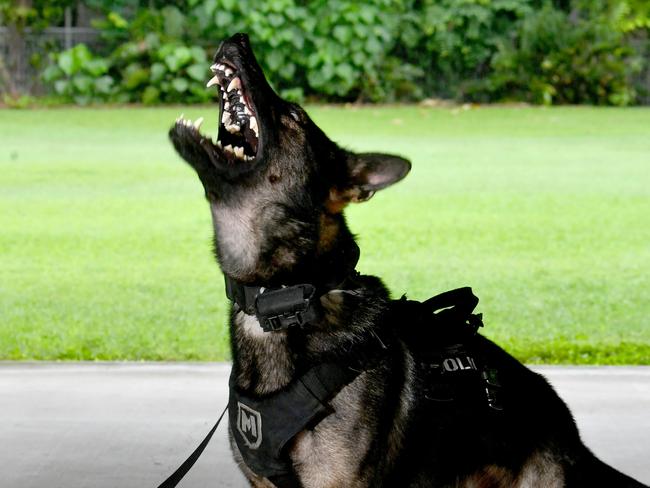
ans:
x=198 y=122
x=225 y=118
x=228 y=148
x=246 y=111
x=226 y=105
x=234 y=84
x=215 y=67
x=213 y=81
x=219 y=144
x=239 y=152
x=228 y=71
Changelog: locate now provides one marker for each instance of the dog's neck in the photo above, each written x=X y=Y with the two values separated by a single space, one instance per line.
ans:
x=264 y=361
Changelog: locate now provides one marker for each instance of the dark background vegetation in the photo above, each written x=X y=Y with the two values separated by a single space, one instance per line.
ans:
x=153 y=52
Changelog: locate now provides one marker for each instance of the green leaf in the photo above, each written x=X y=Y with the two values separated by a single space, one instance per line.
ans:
x=82 y=99
x=96 y=67
x=345 y=71
x=157 y=72
x=198 y=72
x=51 y=73
x=61 y=86
x=134 y=76
x=66 y=62
x=180 y=84
x=104 y=84
x=117 y=20
x=275 y=60
x=83 y=83
x=174 y=21
x=223 y=18
x=198 y=54
x=150 y=95
x=343 y=33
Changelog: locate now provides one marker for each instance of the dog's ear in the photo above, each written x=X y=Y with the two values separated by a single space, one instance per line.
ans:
x=365 y=174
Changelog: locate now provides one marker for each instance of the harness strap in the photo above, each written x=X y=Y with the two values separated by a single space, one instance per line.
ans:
x=263 y=426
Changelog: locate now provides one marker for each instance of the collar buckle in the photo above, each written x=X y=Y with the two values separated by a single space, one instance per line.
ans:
x=285 y=307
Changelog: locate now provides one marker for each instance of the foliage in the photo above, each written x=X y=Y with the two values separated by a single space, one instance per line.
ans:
x=36 y=14
x=461 y=36
x=554 y=59
x=78 y=75
x=147 y=71
x=151 y=71
x=567 y=51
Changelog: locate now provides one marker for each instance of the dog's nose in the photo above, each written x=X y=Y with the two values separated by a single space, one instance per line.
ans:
x=242 y=39
x=235 y=46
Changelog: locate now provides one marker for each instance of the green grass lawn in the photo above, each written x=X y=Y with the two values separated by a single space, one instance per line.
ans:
x=105 y=238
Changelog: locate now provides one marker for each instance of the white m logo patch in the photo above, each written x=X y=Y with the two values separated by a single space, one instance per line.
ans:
x=249 y=425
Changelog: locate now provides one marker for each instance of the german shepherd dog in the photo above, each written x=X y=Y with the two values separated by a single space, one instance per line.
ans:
x=277 y=187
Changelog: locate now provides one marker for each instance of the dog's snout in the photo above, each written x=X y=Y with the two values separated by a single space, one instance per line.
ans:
x=236 y=46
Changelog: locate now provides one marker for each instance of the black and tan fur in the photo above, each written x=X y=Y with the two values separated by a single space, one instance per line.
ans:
x=278 y=220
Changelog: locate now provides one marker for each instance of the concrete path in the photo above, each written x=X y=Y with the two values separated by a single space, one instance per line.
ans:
x=118 y=425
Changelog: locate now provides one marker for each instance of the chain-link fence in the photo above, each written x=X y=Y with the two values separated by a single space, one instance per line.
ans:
x=23 y=54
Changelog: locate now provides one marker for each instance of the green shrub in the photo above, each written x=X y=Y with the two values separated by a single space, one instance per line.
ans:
x=78 y=75
x=554 y=59
x=151 y=72
x=568 y=51
x=459 y=38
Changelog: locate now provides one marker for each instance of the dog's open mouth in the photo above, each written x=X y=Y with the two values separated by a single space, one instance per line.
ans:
x=238 y=129
x=238 y=137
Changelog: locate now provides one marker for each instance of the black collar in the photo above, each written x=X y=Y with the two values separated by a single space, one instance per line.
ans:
x=282 y=307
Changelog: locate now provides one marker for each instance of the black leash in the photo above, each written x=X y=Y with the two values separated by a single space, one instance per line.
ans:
x=176 y=477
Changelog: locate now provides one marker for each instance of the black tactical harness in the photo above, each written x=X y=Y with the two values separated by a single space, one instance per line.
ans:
x=439 y=332
x=262 y=427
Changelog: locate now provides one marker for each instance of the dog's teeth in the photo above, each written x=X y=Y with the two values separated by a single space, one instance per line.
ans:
x=219 y=144
x=239 y=152
x=225 y=118
x=228 y=71
x=252 y=123
x=198 y=122
x=215 y=67
x=228 y=148
x=234 y=84
x=246 y=111
x=226 y=105
x=233 y=128
x=213 y=81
